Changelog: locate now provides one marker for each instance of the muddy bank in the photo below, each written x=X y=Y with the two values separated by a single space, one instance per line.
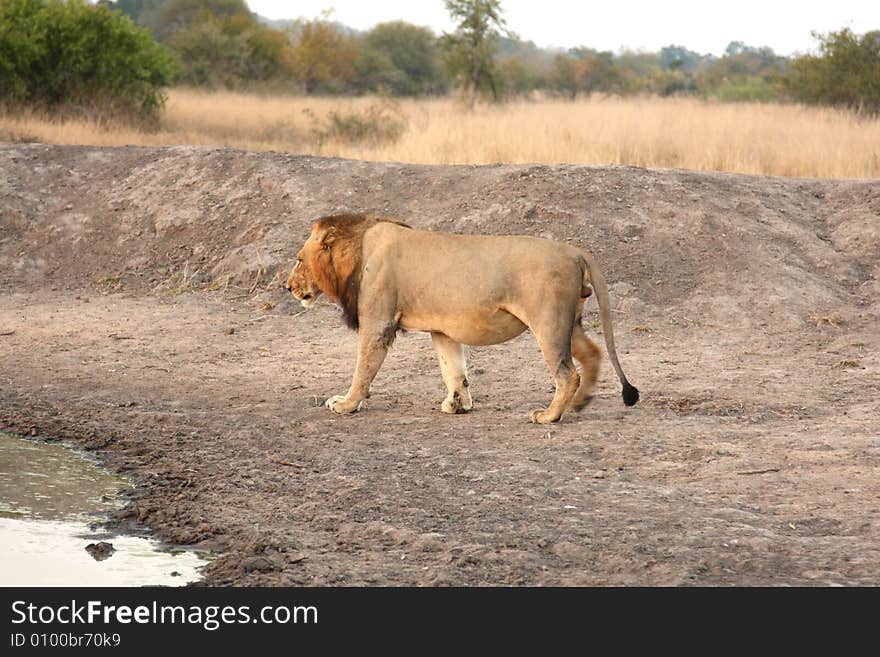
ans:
x=53 y=500
x=140 y=317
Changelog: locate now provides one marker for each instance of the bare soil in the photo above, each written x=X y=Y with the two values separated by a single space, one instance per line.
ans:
x=141 y=316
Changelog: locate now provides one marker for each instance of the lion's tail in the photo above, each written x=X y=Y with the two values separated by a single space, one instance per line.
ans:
x=593 y=277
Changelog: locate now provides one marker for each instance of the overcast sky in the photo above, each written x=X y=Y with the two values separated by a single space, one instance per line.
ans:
x=701 y=25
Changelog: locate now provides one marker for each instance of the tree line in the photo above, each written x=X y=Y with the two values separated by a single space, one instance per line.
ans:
x=74 y=54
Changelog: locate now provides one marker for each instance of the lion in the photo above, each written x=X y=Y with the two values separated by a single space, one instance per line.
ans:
x=464 y=290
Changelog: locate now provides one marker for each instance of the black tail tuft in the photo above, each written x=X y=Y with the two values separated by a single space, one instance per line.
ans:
x=630 y=394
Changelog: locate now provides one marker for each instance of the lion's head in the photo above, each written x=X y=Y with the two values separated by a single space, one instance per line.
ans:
x=330 y=263
x=302 y=282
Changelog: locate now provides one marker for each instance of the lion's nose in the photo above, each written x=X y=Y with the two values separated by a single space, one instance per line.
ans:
x=288 y=288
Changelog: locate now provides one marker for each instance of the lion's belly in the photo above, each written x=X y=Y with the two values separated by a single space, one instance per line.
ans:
x=474 y=328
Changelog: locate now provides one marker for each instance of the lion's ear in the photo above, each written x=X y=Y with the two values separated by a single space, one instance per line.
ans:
x=328 y=238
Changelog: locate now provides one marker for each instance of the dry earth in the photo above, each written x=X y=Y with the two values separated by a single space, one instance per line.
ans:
x=141 y=317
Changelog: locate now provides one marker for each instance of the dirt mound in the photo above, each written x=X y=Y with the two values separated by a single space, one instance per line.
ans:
x=141 y=315
x=739 y=248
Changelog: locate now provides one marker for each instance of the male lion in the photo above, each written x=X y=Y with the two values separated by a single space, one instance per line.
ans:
x=463 y=290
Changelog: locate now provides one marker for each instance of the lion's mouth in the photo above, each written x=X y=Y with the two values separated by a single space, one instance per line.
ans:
x=307 y=300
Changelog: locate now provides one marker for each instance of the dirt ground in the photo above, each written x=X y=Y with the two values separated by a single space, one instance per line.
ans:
x=141 y=316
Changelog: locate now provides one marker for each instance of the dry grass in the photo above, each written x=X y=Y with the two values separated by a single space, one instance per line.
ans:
x=785 y=140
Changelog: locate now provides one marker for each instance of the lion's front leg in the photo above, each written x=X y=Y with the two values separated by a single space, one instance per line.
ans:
x=373 y=343
x=453 y=368
x=342 y=404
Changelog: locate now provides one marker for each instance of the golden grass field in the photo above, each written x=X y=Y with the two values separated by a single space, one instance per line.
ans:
x=771 y=139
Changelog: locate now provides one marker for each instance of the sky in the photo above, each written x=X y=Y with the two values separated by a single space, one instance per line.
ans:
x=704 y=26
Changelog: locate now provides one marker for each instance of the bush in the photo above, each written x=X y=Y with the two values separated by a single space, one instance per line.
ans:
x=846 y=72
x=752 y=89
x=231 y=52
x=377 y=124
x=411 y=55
x=80 y=59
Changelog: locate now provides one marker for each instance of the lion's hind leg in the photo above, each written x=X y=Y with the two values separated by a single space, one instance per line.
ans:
x=589 y=356
x=453 y=368
x=555 y=343
x=566 y=378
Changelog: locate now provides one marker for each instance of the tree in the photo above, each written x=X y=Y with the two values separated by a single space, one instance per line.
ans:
x=680 y=58
x=566 y=75
x=514 y=77
x=82 y=59
x=174 y=15
x=411 y=51
x=322 y=57
x=375 y=72
x=230 y=51
x=219 y=42
x=744 y=73
x=600 y=74
x=139 y=11
x=588 y=70
x=845 y=72
x=469 y=52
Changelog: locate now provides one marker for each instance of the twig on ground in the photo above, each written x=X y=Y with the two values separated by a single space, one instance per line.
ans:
x=289 y=464
x=256 y=280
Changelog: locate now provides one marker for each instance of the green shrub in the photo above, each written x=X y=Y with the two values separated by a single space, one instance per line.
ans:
x=749 y=89
x=845 y=72
x=232 y=52
x=80 y=59
x=379 y=123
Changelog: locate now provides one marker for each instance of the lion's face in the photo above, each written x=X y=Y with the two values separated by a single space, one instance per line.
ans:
x=301 y=281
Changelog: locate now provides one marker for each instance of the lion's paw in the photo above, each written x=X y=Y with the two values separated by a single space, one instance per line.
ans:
x=340 y=404
x=456 y=404
x=453 y=407
x=541 y=416
x=581 y=404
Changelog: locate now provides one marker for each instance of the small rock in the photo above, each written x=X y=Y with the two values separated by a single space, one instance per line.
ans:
x=296 y=557
x=621 y=289
x=571 y=551
x=258 y=564
x=430 y=542
x=100 y=550
x=230 y=330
